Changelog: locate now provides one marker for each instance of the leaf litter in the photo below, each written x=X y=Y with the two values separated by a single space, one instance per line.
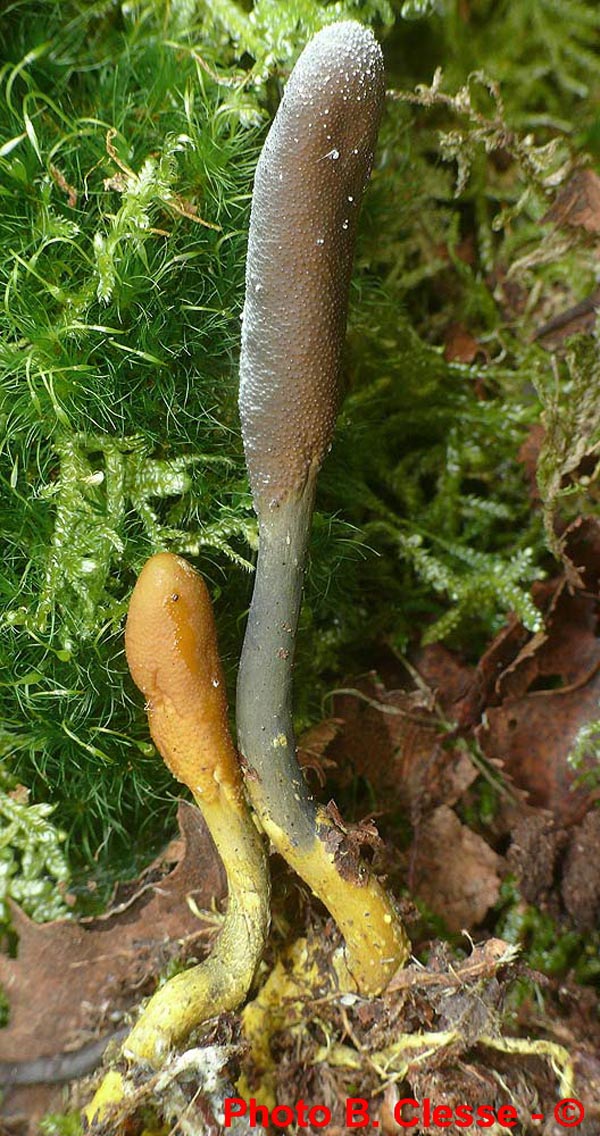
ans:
x=72 y=982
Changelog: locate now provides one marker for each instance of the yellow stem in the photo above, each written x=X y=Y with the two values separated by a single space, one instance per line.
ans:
x=222 y=981
x=376 y=944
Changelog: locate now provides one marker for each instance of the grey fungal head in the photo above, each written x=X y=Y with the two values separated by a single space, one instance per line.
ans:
x=309 y=183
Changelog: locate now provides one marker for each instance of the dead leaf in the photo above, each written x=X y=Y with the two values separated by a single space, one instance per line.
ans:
x=528 y=455
x=485 y=960
x=454 y=871
x=577 y=319
x=447 y=676
x=582 y=552
x=580 y=886
x=535 y=852
x=394 y=740
x=62 y=183
x=532 y=737
x=313 y=745
x=548 y=692
x=496 y=661
x=556 y=868
x=578 y=202
x=563 y=657
x=537 y=702
x=67 y=975
x=460 y=346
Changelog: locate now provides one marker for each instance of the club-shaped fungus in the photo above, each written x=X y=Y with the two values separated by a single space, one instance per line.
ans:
x=171 y=647
x=309 y=183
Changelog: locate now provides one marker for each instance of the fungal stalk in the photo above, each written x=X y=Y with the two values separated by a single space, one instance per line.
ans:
x=309 y=183
x=171 y=647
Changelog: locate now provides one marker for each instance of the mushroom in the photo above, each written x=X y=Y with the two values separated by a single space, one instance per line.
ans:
x=171 y=648
x=309 y=183
x=172 y=653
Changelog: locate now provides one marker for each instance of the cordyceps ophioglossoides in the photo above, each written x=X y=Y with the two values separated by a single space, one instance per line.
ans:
x=309 y=183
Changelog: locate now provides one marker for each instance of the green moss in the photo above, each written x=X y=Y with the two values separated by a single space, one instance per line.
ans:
x=65 y=1124
x=586 y=750
x=571 y=417
x=545 y=946
x=33 y=869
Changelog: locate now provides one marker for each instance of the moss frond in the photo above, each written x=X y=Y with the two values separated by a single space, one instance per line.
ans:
x=571 y=415
x=32 y=860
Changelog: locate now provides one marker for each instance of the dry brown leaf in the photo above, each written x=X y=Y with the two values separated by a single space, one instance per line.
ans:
x=528 y=456
x=449 y=679
x=580 y=887
x=454 y=871
x=485 y=960
x=556 y=868
x=578 y=202
x=59 y=178
x=582 y=551
x=460 y=346
x=533 y=736
x=313 y=745
x=537 y=702
x=69 y=975
x=394 y=740
x=577 y=319
x=535 y=852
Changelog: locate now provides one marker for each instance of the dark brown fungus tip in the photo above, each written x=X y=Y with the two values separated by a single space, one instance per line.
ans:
x=309 y=183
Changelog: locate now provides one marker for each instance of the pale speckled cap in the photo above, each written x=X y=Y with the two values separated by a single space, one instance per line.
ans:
x=309 y=183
